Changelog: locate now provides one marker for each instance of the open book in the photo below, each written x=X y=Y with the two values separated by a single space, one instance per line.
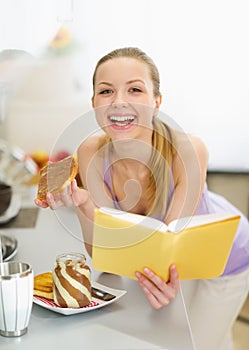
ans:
x=199 y=246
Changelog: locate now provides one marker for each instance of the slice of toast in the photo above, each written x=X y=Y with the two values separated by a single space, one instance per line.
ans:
x=43 y=285
x=54 y=177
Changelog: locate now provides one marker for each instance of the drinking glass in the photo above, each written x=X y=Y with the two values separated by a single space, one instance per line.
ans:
x=16 y=297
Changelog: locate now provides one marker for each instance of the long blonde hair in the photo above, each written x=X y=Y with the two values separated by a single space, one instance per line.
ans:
x=163 y=138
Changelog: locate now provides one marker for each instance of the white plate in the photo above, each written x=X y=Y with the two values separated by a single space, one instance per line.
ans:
x=13 y=210
x=95 y=304
x=9 y=246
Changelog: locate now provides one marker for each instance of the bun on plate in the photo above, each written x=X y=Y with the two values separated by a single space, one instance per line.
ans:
x=54 y=177
x=43 y=285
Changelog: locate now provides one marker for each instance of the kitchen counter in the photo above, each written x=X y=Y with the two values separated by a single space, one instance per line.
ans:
x=128 y=323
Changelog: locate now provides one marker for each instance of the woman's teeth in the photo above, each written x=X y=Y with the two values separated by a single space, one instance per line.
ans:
x=122 y=120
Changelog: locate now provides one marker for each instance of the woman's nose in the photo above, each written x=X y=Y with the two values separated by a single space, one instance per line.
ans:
x=119 y=100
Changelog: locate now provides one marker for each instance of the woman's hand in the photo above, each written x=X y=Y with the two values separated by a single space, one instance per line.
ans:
x=158 y=292
x=71 y=196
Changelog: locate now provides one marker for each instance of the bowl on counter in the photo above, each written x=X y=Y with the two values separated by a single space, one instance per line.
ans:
x=5 y=197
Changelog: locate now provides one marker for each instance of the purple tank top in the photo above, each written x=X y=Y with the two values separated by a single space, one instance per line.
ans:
x=238 y=260
x=210 y=203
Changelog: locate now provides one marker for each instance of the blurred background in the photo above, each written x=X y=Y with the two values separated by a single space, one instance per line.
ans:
x=49 y=48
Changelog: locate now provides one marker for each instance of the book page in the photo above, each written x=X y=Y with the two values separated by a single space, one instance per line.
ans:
x=143 y=220
x=197 y=220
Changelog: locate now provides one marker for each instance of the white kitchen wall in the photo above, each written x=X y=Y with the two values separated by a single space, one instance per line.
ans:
x=44 y=102
x=200 y=48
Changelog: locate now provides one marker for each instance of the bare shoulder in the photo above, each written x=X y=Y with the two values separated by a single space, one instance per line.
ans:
x=191 y=154
x=88 y=154
x=89 y=146
x=199 y=147
x=190 y=145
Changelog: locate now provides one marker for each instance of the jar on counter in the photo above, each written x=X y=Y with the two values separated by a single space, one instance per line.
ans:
x=71 y=281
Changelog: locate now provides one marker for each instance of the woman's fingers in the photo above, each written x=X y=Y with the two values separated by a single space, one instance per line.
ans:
x=174 y=278
x=157 y=281
x=156 y=297
x=74 y=185
x=53 y=204
x=70 y=196
x=79 y=195
x=158 y=292
x=155 y=302
x=65 y=197
x=39 y=203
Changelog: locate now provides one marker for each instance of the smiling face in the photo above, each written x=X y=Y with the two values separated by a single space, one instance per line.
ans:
x=124 y=98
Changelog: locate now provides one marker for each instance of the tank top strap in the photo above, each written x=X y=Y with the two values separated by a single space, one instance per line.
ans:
x=171 y=187
x=108 y=173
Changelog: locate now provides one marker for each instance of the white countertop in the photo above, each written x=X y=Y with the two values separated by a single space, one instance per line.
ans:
x=128 y=323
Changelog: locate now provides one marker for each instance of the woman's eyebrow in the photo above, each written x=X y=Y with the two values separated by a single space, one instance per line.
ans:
x=135 y=81
x=104 y=83
x=128 y=82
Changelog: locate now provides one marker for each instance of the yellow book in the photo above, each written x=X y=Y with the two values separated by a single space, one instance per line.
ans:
x=199 y=246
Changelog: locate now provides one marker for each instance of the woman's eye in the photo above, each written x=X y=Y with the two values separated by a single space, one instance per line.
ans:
x=105 y=92
x=135 y=90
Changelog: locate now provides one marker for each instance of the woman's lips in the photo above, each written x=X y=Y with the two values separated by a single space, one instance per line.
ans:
x=123 y=121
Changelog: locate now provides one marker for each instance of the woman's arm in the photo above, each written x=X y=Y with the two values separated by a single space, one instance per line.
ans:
x=93 y=194
x=91 y=170
x=189 y=174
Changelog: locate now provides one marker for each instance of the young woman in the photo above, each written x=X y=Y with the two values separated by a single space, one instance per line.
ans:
x=142 y=165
